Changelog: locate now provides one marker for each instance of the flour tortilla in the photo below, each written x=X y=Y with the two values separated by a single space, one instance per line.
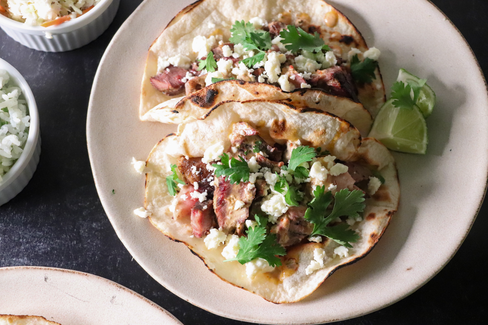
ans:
x=317 y=129
x=215 y=17
x=24 y=320
x=200 y=102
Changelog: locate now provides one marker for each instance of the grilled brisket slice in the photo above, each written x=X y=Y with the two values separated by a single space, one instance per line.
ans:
x=335 y=81
x=194 y=170
x=202 y=218
x=227 y=203
x=292 y=227
x=169 y=81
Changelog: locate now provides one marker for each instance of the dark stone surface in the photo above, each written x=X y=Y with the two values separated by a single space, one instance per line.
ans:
x=58 y=220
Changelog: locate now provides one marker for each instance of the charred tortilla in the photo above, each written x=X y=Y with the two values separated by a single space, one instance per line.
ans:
x=278 y=126
x=214 y=18
x=197 y=104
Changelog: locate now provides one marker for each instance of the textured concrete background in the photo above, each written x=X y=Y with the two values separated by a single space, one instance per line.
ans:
x=58 y=220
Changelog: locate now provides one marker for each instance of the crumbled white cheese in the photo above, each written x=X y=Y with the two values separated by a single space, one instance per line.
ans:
x=225 y=66
x=373 y=54
x=318 y=171
x=271 y=178
x=242 y=72
x=178 y=60
x=213 y=153
x=277 y=41
x=330 y=60
x=238 y=204
x=238 y=50
x=304 y=64
x=257 y=265
x=187 y=77
x=273 y=65
x=373 y=185
x=328 y=161
x=254 y=176
x=341 y=251
x=332 y=188
x=142 y=213
x=195 y=184
x=226 y=51
x=318 y=261
x=354 y=51
x=315 y=239
x=194 y=170
x=262 y=77
x=285 y=83
x=274 y=205
x=253 y=165
x=305 y=85
x=200 y=196
x=231 y=248
x=251 y=223
x=214 y=238
x=202 y=45
x=338 y=169
x=139 y=165
x=258 y=22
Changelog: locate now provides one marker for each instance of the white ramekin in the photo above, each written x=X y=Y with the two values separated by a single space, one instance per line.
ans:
x=21 y=172
x=66 y=36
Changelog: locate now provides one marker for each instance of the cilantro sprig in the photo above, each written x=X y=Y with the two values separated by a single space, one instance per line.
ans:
x=291 y=194
x=300 y=155
x=401 y=93
x=363 y=72
x=259 y=244
x=296 y=39
x=209 y=63
x=346 y=203
x=214 y=80
x=235 y=172
x=252 y=40
x=172 y=179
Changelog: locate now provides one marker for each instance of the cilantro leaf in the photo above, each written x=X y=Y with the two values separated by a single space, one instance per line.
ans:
x=402 y=95
x=240 y=31
x=346 y=203
x=251 y=61
x=363 y=72
x=209 y=63
x=297 y=39
x=249 y=37
x=300 y=155
x=341 y=234
x=292 y=197
x=257 y=146
x=259 y=245
x=301 y=172
x=316 y=210
x=378 y=175
x=262 y=221
x=172 y=179
x=237 y=172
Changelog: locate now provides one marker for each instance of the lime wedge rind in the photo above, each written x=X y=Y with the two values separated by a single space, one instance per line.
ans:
x=427 y=98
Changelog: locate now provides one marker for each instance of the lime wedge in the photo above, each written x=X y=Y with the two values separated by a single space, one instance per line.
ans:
x=400 y=129
x=426 y=99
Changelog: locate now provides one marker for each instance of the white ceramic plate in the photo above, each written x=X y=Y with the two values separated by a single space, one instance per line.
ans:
x=441 y=191
x=75 y=298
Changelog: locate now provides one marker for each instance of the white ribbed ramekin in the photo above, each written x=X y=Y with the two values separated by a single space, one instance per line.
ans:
x=67 y=36
x=21 y=172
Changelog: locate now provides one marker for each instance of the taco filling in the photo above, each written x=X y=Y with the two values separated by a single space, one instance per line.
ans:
x=271 y=205
x=289 y=55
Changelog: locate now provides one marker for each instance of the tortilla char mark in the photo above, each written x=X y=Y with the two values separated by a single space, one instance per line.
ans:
x=207 y=99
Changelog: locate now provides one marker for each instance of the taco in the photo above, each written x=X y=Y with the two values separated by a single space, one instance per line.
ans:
x=198 y=103
x=294 y=45
x=273 y=198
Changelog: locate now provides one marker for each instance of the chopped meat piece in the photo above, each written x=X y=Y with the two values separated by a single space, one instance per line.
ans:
x=195 y=84
x=294 y=77
x=257 y=72
x=261 y=188
x=169 y=81
x=231 y=214
x=292 y=227
x=336 y=81
x=202 y=218
x=184 y=203
x=218 y=52
x=358 y=172
x=275 y=27
x=194 y=170
x=263 y=161
x=343 y=181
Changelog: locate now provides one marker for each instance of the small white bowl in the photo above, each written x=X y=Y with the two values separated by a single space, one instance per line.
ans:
x=21 y=172
x=67 y=36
